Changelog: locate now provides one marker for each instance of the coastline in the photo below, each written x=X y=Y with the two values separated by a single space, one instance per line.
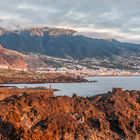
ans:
x=113 y=76
x=8 y=76
x=30 y=77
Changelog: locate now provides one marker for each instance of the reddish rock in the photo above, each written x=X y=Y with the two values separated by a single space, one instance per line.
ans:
x=11 y=59
x=38 y=117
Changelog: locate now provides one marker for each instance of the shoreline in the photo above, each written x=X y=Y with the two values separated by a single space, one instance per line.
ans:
x=16 y=77
x=74 y=80
x=22 y=77
x=115 y=76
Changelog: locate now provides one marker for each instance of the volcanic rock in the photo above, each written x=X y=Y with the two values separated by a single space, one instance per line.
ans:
x=112 y=116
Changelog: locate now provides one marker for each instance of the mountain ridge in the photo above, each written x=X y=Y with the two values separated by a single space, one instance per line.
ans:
x=63 y=43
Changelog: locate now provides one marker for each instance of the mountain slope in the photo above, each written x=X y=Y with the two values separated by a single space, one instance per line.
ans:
x=63 y=43
x=11 y=59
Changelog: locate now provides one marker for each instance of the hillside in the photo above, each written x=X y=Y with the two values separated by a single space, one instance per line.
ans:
x=63 y=43
x=11 y=59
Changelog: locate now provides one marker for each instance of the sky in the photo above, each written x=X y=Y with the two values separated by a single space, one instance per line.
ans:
x=109 y=19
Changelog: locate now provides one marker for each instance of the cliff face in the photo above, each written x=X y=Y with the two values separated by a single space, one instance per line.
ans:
x=112 y=116
x=11 y=59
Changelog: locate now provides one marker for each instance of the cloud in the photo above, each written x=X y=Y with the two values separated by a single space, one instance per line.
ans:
x=95 y=18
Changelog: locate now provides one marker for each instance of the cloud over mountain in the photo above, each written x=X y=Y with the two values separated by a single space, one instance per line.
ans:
x=97 y=18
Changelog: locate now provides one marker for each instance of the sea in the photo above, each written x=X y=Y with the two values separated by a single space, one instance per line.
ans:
x=100 y=85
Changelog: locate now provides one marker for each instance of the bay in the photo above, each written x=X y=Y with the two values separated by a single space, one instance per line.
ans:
x=103 y=85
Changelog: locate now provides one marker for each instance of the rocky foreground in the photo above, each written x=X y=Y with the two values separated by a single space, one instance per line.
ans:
x=34 y=114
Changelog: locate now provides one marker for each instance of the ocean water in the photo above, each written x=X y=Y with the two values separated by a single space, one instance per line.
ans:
x=103 y=85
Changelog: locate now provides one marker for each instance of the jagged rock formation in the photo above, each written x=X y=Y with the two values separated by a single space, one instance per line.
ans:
x=11 y=59
x=112 y=116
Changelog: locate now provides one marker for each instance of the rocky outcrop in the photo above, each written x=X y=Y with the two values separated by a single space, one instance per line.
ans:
x=6 y=92
x=11 y=59
x=13 y=77
x=122 y=112
x=112 y=116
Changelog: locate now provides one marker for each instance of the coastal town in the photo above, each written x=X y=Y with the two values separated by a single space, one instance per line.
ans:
x=13 y=60
x=89 y=67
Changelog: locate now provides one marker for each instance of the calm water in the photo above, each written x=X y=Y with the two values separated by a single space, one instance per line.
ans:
x=103 y=85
